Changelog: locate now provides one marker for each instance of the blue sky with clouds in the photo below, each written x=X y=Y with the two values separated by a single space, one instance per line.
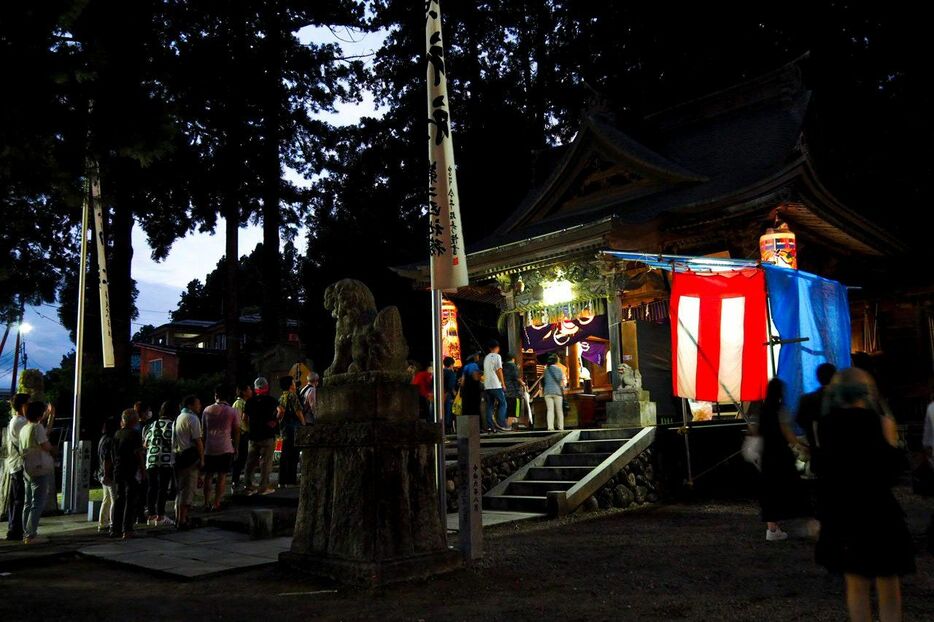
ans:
x=160 y=284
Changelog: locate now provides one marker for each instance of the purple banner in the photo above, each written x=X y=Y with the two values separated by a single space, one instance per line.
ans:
x=594 y=351
x=550 y=337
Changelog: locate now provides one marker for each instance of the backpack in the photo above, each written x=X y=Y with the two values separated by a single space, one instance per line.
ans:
x=36 y=461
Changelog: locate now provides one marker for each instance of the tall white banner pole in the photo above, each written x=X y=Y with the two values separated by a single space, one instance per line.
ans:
x=70 y=489
x=107 y=337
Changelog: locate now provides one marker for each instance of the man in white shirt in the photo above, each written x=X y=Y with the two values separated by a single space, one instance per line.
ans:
x=189 y=457
x=493 y=384
x=14 y=468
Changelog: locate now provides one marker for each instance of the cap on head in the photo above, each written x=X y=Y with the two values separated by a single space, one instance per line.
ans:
x=260 y=384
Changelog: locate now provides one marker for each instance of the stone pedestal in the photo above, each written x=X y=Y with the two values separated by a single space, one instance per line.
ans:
x=631 y=409
x=368 y=511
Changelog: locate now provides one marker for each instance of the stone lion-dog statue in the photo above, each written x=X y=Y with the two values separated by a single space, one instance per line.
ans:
x=365 y=340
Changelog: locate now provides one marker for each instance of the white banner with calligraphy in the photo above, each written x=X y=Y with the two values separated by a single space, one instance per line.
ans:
x=104 y=284
x=445 y=238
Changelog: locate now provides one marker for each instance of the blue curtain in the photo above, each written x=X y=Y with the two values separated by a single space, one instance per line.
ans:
x=807 y=306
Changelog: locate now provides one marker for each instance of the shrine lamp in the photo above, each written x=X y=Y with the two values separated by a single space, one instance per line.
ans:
x=557 y=292
x=778 y=246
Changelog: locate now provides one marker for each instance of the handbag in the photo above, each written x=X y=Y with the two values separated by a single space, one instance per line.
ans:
x=186 y=458
x=457 y=407
x=36 y=461
x=752 y=450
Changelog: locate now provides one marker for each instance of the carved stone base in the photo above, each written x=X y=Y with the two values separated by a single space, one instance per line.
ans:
x=368 y=510
x=631 y=414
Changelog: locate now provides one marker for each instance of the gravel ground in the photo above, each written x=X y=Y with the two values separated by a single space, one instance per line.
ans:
x=698 y=561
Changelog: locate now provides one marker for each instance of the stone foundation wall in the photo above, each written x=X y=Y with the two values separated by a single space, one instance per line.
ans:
x=497 y=467
x=633 y=486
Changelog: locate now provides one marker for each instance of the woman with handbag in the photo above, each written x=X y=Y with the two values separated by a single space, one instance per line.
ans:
x=782 y=493
x=863 y=531
x=553 y=390
x=37 y=467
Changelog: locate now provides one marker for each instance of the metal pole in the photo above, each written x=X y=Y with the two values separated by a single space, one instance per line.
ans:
x=685 y=430
x=768 y=316
x=79 y=356
x=438 y=379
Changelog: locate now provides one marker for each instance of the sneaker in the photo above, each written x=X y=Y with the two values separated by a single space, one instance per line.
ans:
x=35 y=540
x=249 y=492
x=268 y=491
x=165 y=521
x=775 y=536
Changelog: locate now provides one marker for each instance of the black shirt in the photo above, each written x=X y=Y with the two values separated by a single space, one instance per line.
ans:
x=261 y=410
x=127 y=444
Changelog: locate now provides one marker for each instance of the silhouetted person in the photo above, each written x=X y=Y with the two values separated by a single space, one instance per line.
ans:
x=811 y=406
x=863 y=531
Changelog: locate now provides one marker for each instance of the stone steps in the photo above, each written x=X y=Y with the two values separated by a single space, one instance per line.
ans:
x=535 y=488
x=564 y=474
x=579 y=458
x=517 y=503
x=591 y=460
x=593 y=447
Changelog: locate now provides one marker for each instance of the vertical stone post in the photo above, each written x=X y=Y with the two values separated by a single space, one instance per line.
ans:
x=614 y=314
x=470 y=492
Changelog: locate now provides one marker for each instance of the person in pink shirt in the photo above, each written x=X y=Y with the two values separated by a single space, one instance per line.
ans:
x=221 y=424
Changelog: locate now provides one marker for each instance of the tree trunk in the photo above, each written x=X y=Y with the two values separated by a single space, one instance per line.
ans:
x=231 y=306
x=272 y=177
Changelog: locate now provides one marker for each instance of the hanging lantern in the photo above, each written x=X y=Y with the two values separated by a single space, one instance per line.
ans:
x=450 y=340
x=778 y=247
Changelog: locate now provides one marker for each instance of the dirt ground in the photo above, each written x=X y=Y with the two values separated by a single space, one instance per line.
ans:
x=699 y=561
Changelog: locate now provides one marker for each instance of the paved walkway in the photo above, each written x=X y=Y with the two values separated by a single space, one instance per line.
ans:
x=495 y=518
x=191 y=554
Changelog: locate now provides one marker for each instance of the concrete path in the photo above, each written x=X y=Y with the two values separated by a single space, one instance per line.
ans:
x=496 y=518
x=191 y=554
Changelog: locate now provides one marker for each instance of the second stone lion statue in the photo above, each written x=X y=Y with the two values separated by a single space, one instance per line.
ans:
x=365 y=340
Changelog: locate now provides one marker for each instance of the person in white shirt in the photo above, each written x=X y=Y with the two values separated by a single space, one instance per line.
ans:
x=32 y=438
x=14 y=468
x=493 y=383
x=189 y=457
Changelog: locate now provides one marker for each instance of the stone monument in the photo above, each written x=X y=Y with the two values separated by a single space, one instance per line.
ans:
x=368 y=511
x=631 y=407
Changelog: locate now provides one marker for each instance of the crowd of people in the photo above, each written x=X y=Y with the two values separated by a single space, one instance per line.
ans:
x=493 y=379
x=144 y=461
x=851 y=444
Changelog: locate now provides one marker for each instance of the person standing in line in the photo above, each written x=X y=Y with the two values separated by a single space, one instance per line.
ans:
x=863 y=531
x=493 y=387
x=105 y=475
x=553 y=390
x=144 y=415
x=262 y=412
x=14 y=468
x=424 y=383
x=160 y=463
x=513 y=385
x=37 y=468
x=471 y=387
x=782 y=495
x=450 y=392
x=810 y=407
x=291 y=417
x=221 y=438
x=129 y=464
x=308 y=397
x=188 y=447
x=244 y=393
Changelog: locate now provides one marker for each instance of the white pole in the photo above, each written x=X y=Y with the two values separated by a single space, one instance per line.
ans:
x=438 y=378
x=79 y=355
x=104 y=282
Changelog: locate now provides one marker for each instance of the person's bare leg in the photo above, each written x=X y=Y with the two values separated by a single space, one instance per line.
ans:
x=857 y=598
x=220 y=489
x=890 y=598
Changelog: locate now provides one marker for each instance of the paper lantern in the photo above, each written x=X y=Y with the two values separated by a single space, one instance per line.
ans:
x=778 y=247
x=450 y=340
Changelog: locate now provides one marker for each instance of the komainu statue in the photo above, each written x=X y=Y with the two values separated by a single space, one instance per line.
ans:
x=630 y=380
x=365 y=341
